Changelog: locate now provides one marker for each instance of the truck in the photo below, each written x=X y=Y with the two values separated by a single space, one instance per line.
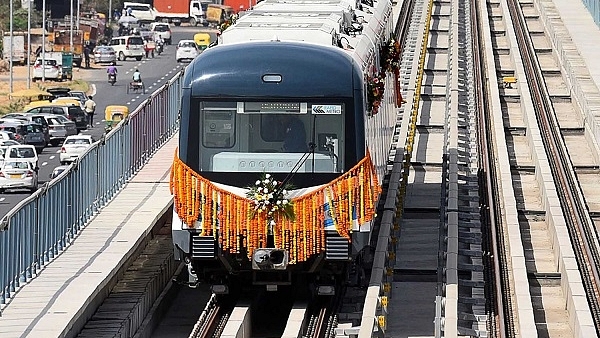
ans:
x=61 y=42
x=237 y=5
x=19 y=49
x=176 y=12
x=87 y=34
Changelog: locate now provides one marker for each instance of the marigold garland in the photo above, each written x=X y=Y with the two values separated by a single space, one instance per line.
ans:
x=198 y=199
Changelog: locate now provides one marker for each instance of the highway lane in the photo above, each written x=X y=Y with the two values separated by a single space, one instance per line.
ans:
x=155 y=73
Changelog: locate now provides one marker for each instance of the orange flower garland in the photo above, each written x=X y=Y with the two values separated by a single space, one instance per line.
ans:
x=196 y=199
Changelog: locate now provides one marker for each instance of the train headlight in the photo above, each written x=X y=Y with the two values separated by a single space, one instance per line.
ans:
x=270 y=259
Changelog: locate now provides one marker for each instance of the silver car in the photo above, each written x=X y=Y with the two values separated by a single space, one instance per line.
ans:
x=18 y=175
x=59 y=127
x=104 y=54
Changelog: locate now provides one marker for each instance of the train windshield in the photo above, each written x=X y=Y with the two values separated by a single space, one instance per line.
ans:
x=272 y=136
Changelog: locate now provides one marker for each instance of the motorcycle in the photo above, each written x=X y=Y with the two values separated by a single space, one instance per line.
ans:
x=112 y=78
x=159 y=47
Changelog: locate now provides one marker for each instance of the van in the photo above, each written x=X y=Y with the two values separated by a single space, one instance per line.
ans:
x=130 y=46
x=22 y=152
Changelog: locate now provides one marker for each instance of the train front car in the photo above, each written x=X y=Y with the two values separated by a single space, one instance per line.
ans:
x=277 y=174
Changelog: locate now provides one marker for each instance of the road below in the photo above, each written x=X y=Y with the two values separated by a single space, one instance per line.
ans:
x=155 y=72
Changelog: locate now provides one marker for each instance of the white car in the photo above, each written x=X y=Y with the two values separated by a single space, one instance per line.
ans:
x=163 y=30
x=18 y=174
x=186 y=50
x=73 y=147
x=52 y=70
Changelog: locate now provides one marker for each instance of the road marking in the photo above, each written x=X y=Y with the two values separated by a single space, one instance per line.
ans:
x=44 y=163
x=154 y=84
x=150 y=87
x=51 y=157
x=162 y=78
x=132 y=100
x=58 y=151
x=2 y=199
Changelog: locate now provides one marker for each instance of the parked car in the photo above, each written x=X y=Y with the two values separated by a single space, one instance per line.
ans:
x=22 y=152
x=25 y=132
x=104 y=54
x=18 y=175
x=73 y=147
x=60 y=127
x=130 y=46
x=81 y=95
x=6 y=143
x=52 y=70
x=59 y=91
x=186 y=50
x=7 y=135
x=33 y=118
x=58 y=170
x=70 y=109
x=163 y=30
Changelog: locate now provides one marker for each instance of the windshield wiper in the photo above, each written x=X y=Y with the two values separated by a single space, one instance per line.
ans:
x=297 y=166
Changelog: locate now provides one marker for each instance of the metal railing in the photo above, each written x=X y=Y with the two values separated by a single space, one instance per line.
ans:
x=45 y=223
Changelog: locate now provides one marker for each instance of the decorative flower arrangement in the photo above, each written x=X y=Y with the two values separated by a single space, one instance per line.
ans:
x=215 y=211
x=390 y=56
x=375 y=89
x=229 y=22
x=269 y=197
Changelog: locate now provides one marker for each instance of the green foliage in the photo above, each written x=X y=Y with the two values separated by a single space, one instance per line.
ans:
x=13 y=106
x=19 y=17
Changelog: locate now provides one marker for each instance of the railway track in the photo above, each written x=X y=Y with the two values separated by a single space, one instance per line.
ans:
x=512 y=276
x=530 y=113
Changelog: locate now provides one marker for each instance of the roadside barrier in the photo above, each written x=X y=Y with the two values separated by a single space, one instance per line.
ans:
x=42 y=225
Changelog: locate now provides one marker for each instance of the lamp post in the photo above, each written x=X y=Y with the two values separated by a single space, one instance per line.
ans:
x=28 y=44
x=43 y=40
x=71 y=24
x=78 y=13
x=10 y=50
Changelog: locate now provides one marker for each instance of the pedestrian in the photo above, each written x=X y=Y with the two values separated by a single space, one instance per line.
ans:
x=86 y=55
x=90 y=110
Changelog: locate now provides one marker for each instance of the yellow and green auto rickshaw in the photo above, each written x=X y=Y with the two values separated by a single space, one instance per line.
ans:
x=202 y=40
x=114 y=114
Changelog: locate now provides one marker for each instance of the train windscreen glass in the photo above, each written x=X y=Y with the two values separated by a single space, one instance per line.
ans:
x=271 y=136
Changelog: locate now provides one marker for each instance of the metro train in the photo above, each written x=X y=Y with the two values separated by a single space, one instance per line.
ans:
x=286 y=126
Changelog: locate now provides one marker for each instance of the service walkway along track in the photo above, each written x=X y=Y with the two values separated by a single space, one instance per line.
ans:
x=439 y=249
x=57 y=303
x=544 y=289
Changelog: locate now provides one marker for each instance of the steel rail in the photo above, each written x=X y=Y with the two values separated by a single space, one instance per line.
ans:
x=489 y=186
x=582 y=232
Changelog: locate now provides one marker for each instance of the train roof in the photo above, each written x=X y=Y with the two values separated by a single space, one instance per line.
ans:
x=336 y=25
x=320 y=28
x=305 y=5
x=227 y=66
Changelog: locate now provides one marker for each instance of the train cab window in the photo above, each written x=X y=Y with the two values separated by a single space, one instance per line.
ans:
x=266 y=136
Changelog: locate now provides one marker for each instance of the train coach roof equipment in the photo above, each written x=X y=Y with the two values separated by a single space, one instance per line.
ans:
x=270 y=58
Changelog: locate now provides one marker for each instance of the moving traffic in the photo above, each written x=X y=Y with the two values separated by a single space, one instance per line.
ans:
x=155 y=72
